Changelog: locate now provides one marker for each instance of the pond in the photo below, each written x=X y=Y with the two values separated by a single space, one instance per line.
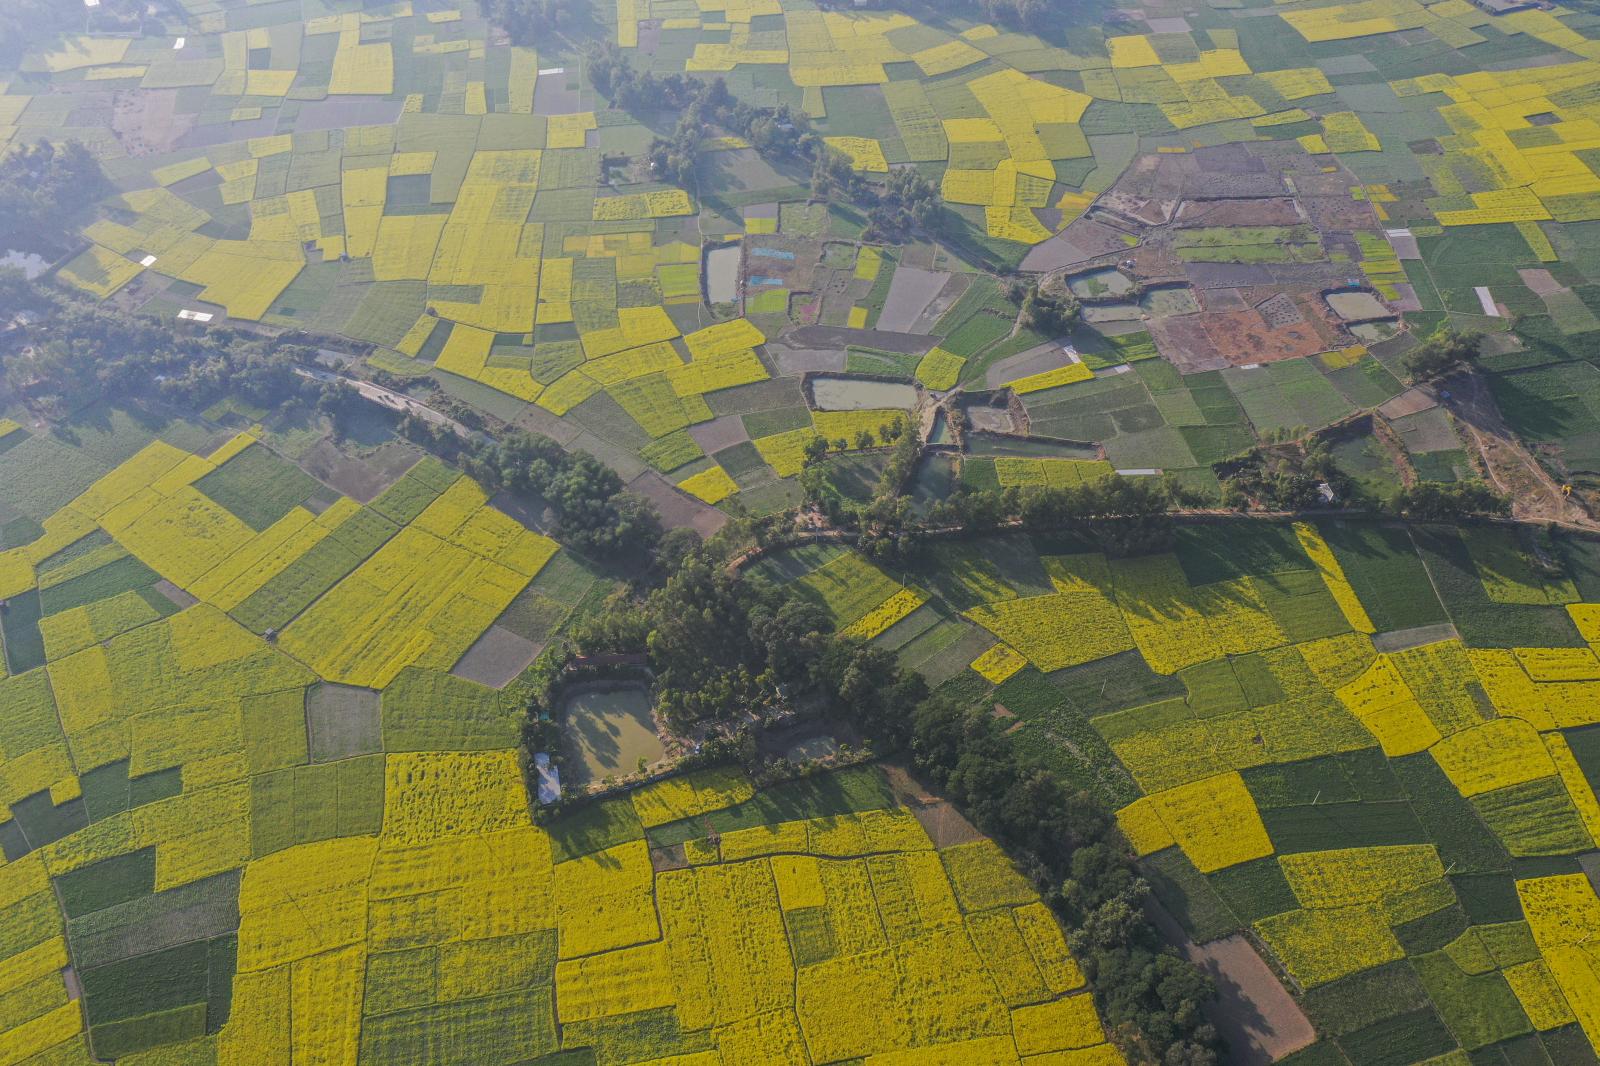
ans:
x=610 y=728
x=858 y=394
x=816 y=747
x=1117 y=312
x=1166 y=300
x=1107 y=281
x=940 y=433
x=1372 y=332
x=1355 y=305
x=984 y=417
x=722 y=274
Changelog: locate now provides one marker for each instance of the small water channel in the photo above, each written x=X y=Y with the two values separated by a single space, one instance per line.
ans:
x=984 y=444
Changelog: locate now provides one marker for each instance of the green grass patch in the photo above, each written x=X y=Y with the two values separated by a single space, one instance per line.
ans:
x=1383 y=568
x=430 y=710
x=668 y=453
x=107 y=883
x=258 y=487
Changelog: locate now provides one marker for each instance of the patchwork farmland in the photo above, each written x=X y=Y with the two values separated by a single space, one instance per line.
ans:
x=1277 y=206
x=1361 y=755
x=365 y=698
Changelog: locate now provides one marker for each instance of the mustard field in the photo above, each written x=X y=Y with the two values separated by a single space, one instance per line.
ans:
x=1369 y=752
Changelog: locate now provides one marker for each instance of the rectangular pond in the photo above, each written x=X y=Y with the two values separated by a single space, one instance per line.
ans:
x=609 y=729
x=722 y=274
x=860 y=394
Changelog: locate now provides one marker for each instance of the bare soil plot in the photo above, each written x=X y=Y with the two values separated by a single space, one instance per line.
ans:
x=536 y=419
x=1033 y=361
x=342 y=112
x=1541 y=282
x=175 y=594
x=676 y=508
x=1184 y=342
x=1257 y=1017
x=719 y=433
x=1084 y=241
x=148 y=122
x=793 y=362
x=952 y=291
x=670 y=857
x=341 y=721
x=944 y=824
x=554 y=94
x=775 y=261
x=496 y=658
x=1410 y=402
x=910 y=293
x=361 y=478
x=1248 y=336
x=1415 y=637
x=1273 y=211
x=834 y=337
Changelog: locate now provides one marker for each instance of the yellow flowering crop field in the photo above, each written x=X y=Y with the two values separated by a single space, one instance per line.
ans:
x=233 y=869
x=1315 y=738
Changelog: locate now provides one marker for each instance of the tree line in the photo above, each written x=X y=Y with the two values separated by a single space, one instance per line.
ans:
x=64 y=352
x=895 y=207
x=529 y=22
x=722 y=645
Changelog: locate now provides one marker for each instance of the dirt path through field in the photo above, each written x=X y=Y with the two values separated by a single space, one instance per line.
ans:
x=1535 y=496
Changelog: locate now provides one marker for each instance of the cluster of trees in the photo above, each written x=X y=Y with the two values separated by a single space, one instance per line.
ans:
x=1050 y=313
x=896 y=208
x=722 y=646
x=634 y=90
x=1432 y=501
x=1289 y=479
x=776 y=132
x=526 y=21
x=1151 y=999
x=43 y=187
x=1129 y=516
x=594 y=513
x=706 y=106
x=1441 y=353
x=29 y=24
x=69 y=353
x=882 y=520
